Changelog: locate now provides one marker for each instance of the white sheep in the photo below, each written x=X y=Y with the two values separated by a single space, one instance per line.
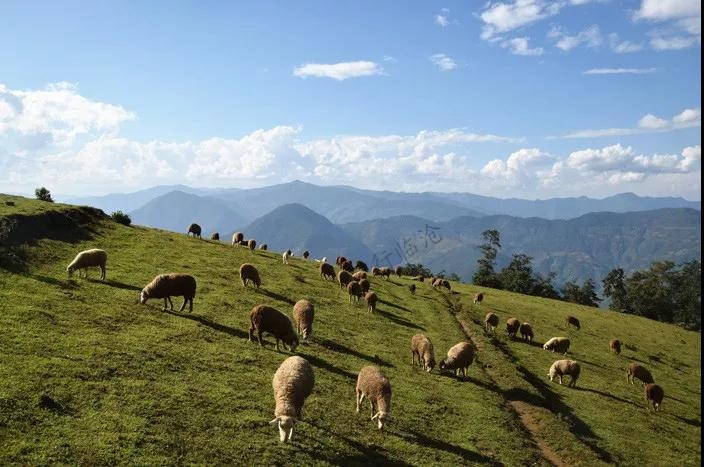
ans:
x=86 y=259
x=293 y=383
x=287 y=254
x=167 y=285
x=459 y=358
x=562 y=368
x=557 y=344
x=423 y=348
x=372 y=384
x=303 y=314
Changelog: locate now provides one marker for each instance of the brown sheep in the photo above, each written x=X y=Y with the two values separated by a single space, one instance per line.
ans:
x=267 y=319
x=459 y=358
x=303 y=314
x=571 y=320
x=423 y=348
x=375 y=386
x=371 y=300
x=445 y=283
x=237 y=238
x=252 y=244
x=365 y=284
x=636 y=370
x=478 y=297
x=557 y=344
x=490 y=322
x=339 y=260
x=306 y=254
x=615 y=346
x=398 y=270
x=327 y=271
x=249 y=273
x=171 y=285
x=344 y=278
x=215 y=236
x=361 y=265
x=359 y=275
x=194 y=229
x=376 y=271
x=385 y=272
x=347 y=266
x=526 y=331
x=412 y=289
x=512 y=326
x=354 y=290
x=654 y=394
x=263 y=247
x=562 y=368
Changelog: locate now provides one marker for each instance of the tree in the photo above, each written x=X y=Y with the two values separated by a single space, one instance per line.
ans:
x=121 y=218
x=584 y=295
x=416 y=270
x=615 y=289
x=454 y=277
x=542 y=286
x=485 y=274
x=43 y=194
x=518 y=275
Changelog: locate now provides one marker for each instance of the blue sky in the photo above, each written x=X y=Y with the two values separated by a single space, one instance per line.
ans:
x=526 y=98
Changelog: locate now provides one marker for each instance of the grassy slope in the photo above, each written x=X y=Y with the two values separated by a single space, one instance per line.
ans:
x=92 y=377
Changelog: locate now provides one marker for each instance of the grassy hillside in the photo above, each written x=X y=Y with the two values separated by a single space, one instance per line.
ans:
x=90 y=376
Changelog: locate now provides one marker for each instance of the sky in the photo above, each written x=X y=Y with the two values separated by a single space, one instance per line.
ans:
x=532 y=99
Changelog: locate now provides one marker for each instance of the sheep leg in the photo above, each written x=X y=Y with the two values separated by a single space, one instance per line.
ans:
x=102 y=273
x=259 y=337
x=165 y=307
x=359 y=398
x=277 y=344
x=371 y=402
x=185 y=299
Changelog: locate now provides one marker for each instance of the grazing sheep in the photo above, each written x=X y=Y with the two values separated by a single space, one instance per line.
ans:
x=376 y=271
x=398 y=270
x=215 y=236
x=359 y=275
x=339 y=260
x=423 y=348
x=478 y=297
x=249 y=273
x=344 y=278
x=526 y=331
x=490 y=322
x=167 y=285
x=267 y=319
x=512 y=326
x=327 y=271
x=654 y=394
x=237 y=238
x=371 y=300
x=412 y=289
x=303 y=314
x=636 y=370
x=347 y=266
x=194 y=229
x=385 y=272
x=372 y=384
x=557 y=344
x=562 y=368
x=263 y=247
x=571 y=320
x=615 y=345
x=287 y=254
x=361 y=265
x=252 y=244
x=445 y=283
x=86 y=259
x=293 y=383
x=365 y=284
x=459 y=358
x=306 y=254
x=354 y=290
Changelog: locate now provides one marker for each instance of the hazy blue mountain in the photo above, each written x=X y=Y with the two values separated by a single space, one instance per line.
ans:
x=296 y=227
x=127 y=202
x=176 y=210
x=588 y=246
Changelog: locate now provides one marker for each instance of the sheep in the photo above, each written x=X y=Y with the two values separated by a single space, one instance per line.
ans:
x=526 y=331
x=636 y=370
x=376 y=271
x=654 y=394
x=445 y=283
x=365 y=284
x=327 y=271
x=306 y=254
x=361 y=265
x=215 y=236
x=512 y=326
x=371 y=300
x=385 y=272
x=267 y=319
x=562 y=368
x=423 y=348
x=490 y=322
x=478 y=297
x=252 y=244
x=167 y=285
x=339 y=260
x=293 y=383
x=86 y=259
x=287 y=254
x=375 y=386
x=237 y=238
x=412 y=289
x=347 y=266
x=303 y=314
x=459 y=358
x=571 y=320
x=194 y=229
x=249 y=273
x=344 y=278
x=355 y=290
x=615 y=346
x=359 y=275
x=263 y=247
x=398 y=270
x=557 y=344
x=436 y=282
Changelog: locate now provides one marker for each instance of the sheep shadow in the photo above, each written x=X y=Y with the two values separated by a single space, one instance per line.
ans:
x=393 y=305
x=320 y=363
x=605 y=394
x=211 y=324
x=490 y=386
x=689 y=421
x=398 y=320
x=277 y=296
x=335 y=347
x=68 y=284
x=426 y=442
x=518 y=394
x=118 y=285
x=532 y=343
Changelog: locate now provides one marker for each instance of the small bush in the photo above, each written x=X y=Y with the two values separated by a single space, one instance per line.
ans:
x=121 y=218
x=43 y=194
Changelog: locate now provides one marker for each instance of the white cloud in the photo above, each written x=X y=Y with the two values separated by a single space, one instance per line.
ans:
x=441 y=18
x=623 y=47
x=519 y=46
x=650 y=121
x=443 y=62
x=618 y=71
x=688 y=117
x=339 y=71
x=685 y=23
x=590 y=36
x=659 y=10
x=500 y=17
x=672 y=42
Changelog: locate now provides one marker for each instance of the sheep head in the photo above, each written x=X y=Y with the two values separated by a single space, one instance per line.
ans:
x=285 y=425
x=381 y=418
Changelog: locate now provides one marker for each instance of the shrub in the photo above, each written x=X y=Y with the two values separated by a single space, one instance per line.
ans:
x=121 y=218
x=43 y=194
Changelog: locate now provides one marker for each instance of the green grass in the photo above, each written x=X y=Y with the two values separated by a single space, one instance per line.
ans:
x=90 y=376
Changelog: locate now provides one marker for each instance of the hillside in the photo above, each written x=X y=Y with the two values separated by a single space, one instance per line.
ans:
x=92 y=377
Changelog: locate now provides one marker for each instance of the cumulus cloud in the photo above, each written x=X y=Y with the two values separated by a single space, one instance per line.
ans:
x=659 y=10
x=682 y=19
x=441 y=18
x=650 y=121
x=339 y=71
x=519 y=46
x=500 y=17
x=591 y=37
x=619 y=71
x=443 y=62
